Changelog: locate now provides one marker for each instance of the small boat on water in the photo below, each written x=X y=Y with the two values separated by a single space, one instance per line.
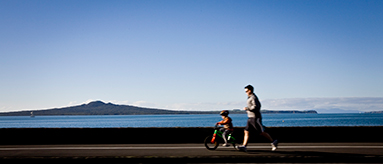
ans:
x=32 y=115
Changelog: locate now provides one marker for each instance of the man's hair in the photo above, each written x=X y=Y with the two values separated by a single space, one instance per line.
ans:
x=250 y=87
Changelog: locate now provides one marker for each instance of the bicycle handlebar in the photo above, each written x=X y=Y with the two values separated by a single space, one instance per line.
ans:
x=216 y=126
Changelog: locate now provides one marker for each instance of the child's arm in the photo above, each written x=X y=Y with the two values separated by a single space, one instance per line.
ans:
x=224 y=122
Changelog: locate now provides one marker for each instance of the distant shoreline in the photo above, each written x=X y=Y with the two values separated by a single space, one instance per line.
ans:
x=36 y=113
x=101 y=108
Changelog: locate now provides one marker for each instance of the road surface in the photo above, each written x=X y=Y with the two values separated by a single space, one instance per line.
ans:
x=257 y=152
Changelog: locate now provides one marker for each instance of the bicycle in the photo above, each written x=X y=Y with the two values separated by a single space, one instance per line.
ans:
x=213 y=141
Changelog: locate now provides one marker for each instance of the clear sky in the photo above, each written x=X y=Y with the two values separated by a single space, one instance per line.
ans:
x=192 y=55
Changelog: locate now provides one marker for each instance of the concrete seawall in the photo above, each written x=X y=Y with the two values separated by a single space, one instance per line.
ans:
x=26 y=136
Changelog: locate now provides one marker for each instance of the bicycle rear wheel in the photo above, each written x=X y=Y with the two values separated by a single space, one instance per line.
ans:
x=234 y=145
x=233 y=142
x=209 y=145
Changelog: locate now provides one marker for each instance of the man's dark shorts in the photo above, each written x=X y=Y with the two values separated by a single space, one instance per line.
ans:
x=254 y=124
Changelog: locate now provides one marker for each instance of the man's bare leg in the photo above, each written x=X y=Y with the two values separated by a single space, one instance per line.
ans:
x=246 y=138
x=274 y=143
x=267 y=136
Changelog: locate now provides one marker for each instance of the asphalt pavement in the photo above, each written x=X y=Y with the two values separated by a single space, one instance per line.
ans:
x=190 y=153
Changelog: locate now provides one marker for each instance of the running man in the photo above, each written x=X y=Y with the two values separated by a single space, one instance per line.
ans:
x=254 y=121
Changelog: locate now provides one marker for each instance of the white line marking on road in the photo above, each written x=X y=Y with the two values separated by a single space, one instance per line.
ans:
x=96 y=148
x=167 y=148
x=320 y=147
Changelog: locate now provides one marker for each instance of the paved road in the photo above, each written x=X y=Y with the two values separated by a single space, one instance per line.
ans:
x=257 y=152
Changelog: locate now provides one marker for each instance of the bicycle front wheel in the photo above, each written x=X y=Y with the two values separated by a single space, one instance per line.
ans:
x=209 y=145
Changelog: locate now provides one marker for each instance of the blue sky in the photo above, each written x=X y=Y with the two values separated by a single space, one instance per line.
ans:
x=192 y=55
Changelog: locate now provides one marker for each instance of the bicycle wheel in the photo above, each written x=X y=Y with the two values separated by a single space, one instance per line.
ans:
x=209 y=145
x=234 y=145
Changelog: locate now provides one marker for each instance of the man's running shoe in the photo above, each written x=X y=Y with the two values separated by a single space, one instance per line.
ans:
x=274 y=145
x=241 y=148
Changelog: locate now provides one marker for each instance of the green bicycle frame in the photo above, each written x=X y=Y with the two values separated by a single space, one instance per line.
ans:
x=219 y=133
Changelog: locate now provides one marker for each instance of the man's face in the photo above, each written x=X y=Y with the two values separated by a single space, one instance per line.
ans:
x=247 y=91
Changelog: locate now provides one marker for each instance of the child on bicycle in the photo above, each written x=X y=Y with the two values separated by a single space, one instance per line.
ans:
x=227 y=126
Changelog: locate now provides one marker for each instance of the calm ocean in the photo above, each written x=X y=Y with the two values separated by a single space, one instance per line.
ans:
x=208 y=120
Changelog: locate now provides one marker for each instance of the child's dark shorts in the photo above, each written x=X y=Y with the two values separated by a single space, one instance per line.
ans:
x=225 y=131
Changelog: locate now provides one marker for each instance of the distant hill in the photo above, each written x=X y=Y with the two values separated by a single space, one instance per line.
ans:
x=374 y=112
x=101 y=108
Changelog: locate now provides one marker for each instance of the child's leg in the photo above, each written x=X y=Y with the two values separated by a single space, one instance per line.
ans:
x=225 y=134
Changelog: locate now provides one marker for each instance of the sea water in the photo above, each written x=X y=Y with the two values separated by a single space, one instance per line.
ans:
x=187 y=120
